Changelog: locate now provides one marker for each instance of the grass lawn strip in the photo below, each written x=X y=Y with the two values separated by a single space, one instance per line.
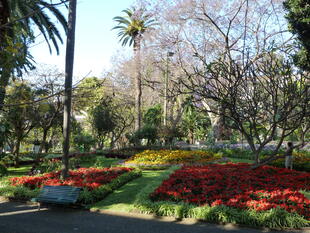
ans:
x=123 y=199
x=21 y=171
x=238 y=160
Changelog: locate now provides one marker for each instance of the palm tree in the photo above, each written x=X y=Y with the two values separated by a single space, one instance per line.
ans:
x=68 y=87
x=131 y=28
x=17 y=18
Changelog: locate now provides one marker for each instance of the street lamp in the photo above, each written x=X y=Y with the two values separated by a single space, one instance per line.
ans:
x=169 y=54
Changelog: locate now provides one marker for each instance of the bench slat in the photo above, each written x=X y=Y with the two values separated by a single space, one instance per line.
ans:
x=58 y=194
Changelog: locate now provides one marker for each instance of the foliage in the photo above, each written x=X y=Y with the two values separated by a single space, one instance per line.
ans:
x=88 y=94
x=169 y=157
x=83 y=142
x=20 y=10
x=148 y=132
x=18 y=192
x=105 y=162
x=51 y=165
x=299 y=22
x=4 y=132
x=16 y=33
x=102 y=119
x=20 y=118
x=3 y=170
x=233 y=152
x=169 y=133
x=194 y=123
x=301 y=161
x=133 y=25
x=153 y=116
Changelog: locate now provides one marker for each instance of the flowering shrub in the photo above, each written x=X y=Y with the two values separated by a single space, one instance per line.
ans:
x=90 y=178
x=236 y=185
x=160 y=157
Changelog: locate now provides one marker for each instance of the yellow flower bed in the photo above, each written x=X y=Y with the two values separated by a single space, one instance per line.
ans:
x=162 y=157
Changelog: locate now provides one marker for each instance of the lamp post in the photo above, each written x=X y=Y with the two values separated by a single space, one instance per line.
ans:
x=169 y=54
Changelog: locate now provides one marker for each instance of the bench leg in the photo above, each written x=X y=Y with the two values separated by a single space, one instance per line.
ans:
x=39 y=206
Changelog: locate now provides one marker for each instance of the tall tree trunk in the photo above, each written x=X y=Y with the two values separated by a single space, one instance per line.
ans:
x=138 y=83
x=4 y=80
x=43 y=142
x=16 y=153
x=68 y=87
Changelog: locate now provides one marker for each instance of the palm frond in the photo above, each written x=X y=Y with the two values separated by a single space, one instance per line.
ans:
x=129 y=11
x=134 y=23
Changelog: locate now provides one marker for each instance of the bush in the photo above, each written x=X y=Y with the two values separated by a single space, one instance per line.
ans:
x=3 y=170
x=84 y=142
x=105 y=162
x=2 y=155
x=147 y=132
x=49 y=165
x=18 y=192
x=167 y=134
x=238 y=153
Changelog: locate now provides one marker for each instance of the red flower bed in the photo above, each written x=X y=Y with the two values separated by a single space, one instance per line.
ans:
x=90 y=178
x=236 y=185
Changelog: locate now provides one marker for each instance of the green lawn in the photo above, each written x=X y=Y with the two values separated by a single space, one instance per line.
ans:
x=237 y=160
x=20 y=171
x=123 y=199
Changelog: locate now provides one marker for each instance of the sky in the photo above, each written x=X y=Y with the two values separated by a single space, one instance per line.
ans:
x=95 y=42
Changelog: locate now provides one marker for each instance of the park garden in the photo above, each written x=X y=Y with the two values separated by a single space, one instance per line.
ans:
x=199 y=184
x=206 y=118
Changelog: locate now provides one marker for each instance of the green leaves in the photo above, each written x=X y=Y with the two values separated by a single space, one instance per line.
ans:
x=299 y=24
x=132 y=25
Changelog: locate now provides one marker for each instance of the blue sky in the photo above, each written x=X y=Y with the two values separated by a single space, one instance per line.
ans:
x=95 y=43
